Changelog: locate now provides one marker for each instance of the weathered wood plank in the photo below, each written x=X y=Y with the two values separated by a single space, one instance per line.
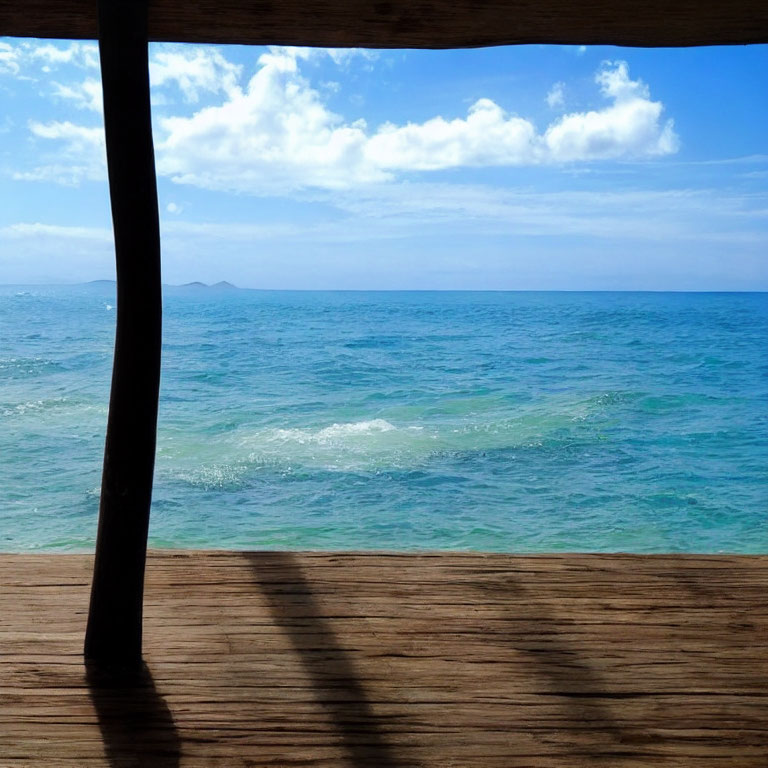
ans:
x=349 y=659
x=413 y=23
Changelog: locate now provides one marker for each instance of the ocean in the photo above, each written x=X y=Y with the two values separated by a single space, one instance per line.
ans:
x=512 y=422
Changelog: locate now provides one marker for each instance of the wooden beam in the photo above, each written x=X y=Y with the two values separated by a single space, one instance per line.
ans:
x=115 y=619
x=413 y=23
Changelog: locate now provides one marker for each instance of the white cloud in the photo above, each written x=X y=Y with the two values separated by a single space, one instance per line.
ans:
x=173 y=208
x=80 y=138
x=67 y=175
x=614 y=82
x=617 y=227
x=630 y=127
x=85 y=55
x=78 y=152
x=85 y=95
x=421 y=209
x=194 y=70
x=81 y=145
x=37 y=229
x=487 y=136
x=556 y=96
x=277 y=135
x=9 y=59
x=47 y=56
x=36 y=60
x=407 y=209
x=342 y=57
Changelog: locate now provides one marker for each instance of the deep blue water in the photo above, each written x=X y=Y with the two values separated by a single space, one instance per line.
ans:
x=495 y=421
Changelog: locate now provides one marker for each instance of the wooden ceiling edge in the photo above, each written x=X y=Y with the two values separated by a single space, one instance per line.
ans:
x=630 y=42
x=430 y=24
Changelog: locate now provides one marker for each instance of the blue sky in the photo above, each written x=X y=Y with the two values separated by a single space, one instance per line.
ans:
x=532 y=167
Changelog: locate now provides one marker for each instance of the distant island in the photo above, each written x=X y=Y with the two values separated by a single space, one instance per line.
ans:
x=223 y=284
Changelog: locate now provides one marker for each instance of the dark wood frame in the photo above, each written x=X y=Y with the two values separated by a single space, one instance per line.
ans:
x=123 y=28
x=413 y=23
x=113 y=635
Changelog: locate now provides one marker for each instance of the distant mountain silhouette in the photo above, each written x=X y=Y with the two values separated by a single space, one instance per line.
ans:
x=222 y=285
x=218 y=286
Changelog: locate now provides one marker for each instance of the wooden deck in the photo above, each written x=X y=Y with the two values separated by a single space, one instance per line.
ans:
x=442 y=660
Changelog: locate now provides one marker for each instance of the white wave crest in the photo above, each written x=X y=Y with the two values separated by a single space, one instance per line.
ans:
x=336 y=432
x=357 y=445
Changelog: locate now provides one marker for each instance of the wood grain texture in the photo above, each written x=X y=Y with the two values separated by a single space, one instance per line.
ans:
x=413 y=23
x=444 y=660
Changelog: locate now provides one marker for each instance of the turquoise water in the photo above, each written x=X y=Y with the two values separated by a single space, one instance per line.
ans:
x=517 y=422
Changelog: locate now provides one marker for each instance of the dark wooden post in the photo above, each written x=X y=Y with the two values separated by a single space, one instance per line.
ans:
x=113 y=636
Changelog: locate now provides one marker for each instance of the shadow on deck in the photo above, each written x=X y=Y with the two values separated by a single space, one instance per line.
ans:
x=323 y=657
x=395 y=661
x=135 y=722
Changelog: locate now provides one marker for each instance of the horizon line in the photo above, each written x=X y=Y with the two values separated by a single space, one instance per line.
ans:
x=225 y=284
